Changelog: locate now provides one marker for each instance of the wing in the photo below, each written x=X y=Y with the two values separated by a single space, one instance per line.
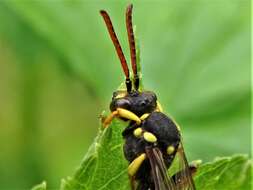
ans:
x=159 y=171
x=183 y=178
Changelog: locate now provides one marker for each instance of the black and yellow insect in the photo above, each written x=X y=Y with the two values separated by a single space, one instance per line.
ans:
x=152 y=139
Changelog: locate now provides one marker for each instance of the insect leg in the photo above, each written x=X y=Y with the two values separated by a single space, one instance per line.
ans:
x=144 y=116
x=109 y=118
x=120 y=112
x=132 y=182
x=183 y=179
x=135 y=164
x=179 y=178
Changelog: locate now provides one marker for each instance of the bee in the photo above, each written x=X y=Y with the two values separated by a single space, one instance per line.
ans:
x=152 y=139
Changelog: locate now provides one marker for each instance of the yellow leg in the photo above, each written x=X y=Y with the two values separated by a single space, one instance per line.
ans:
x=109 y=119
x=144 y=116
x=120 y=112
x=135 y=164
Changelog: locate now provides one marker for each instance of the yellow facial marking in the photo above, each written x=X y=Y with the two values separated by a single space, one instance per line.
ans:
x=128 y=115
x=149 y=137
x=170 y=149
x=135 y=165
x=121 y=95
x=144 y=116
x=138 y=132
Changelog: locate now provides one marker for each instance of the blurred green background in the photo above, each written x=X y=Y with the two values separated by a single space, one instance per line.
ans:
x=58 y=69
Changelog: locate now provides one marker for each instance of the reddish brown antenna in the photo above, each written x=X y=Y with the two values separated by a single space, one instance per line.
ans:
x=118 y=48
x=131 y=40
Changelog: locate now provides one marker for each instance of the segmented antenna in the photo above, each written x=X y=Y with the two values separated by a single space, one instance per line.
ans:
x=131 y=41
x=118 y=48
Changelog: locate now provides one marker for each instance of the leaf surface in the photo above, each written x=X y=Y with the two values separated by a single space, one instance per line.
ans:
x=227 y=173
x=104 y=166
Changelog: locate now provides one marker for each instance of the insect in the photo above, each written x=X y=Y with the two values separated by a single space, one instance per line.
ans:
x=152 y=139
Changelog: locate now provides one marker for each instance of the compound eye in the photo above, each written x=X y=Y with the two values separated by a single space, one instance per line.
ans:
x=122 y=103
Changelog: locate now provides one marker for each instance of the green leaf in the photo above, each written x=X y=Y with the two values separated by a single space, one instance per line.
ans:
x=227 y=173
x=104 y=166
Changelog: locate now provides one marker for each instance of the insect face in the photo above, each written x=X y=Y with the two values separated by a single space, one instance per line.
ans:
x=135 y=101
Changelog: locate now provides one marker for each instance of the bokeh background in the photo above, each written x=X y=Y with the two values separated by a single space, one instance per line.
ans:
x=58 y=69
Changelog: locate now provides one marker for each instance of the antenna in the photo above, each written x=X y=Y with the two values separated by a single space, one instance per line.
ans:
x=118 y=48
x=131 y=40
